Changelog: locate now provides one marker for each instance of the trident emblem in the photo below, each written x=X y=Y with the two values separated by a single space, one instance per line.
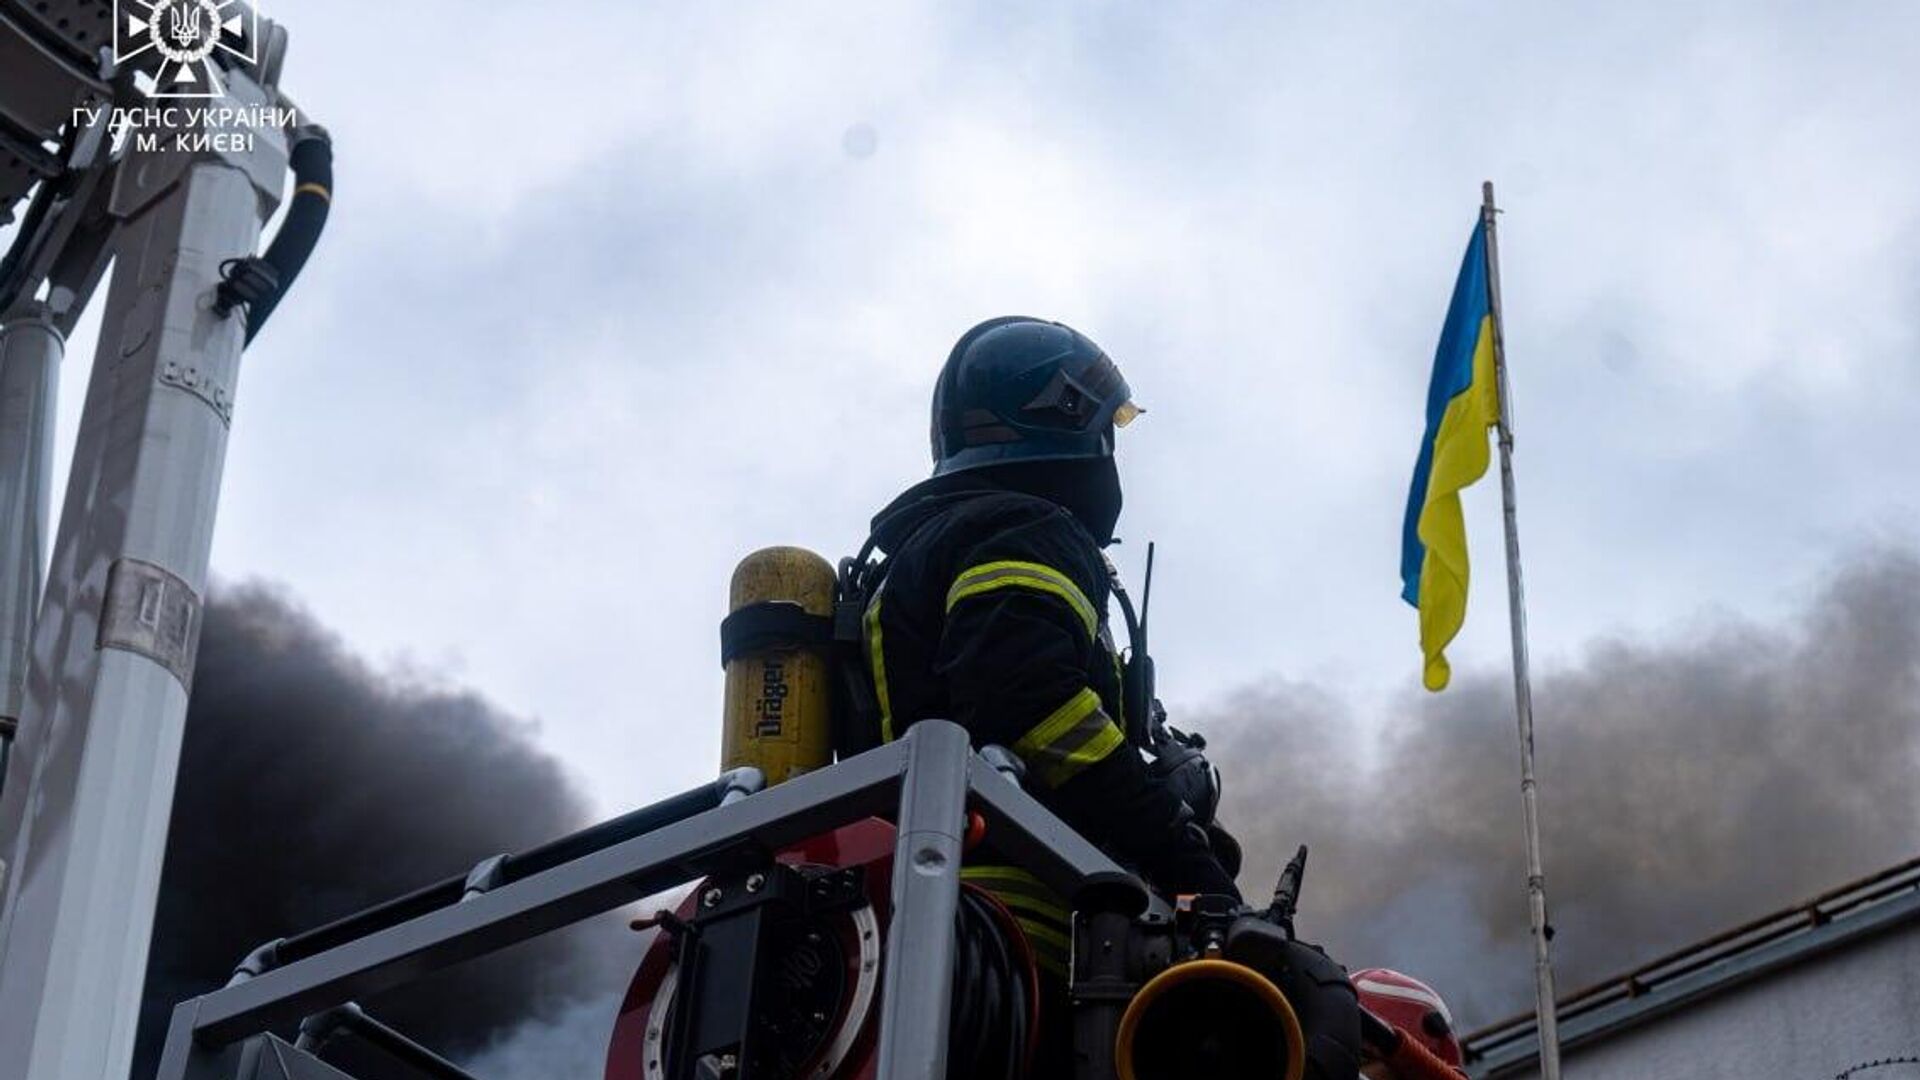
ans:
x=183 y=24
x=174 y=41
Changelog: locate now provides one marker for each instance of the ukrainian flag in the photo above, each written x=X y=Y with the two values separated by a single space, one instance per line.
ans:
x=1462 y=402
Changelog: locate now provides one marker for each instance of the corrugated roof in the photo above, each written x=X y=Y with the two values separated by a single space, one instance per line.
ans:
x=1857 y=909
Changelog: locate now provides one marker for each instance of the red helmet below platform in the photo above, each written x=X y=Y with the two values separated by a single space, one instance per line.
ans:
x=1413 y=1007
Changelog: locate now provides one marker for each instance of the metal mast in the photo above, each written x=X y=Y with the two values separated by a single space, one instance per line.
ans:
x=89 y=785
x=1522 y=676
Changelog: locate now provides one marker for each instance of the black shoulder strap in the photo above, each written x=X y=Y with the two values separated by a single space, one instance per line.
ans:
x=857 y=713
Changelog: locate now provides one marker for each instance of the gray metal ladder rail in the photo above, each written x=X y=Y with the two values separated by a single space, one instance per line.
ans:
x=499 y=870
x=925 y=782
x=350 y=1019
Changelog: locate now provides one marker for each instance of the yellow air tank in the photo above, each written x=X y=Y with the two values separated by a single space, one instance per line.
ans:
x=776 y=645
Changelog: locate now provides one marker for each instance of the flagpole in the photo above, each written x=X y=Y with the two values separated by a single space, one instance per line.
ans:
x=1548 y=1023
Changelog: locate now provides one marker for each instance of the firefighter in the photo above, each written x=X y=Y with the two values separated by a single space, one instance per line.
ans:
x=992 y=611
x=1413 y=1009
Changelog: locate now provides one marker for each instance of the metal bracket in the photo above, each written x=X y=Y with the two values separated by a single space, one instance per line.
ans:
x=320 y=1029
x=486 y=875
x=262 y=959
x=152 y=611
x=1005 y=762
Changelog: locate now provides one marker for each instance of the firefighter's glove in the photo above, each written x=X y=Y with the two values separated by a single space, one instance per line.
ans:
x=1225 y=848
x=1190 y=866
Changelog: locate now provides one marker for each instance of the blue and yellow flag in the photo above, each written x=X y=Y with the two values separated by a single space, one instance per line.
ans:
x=1462 y=402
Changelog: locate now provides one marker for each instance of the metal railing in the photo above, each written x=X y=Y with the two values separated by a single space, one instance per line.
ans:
x=1514 y=1032
x=925 y=782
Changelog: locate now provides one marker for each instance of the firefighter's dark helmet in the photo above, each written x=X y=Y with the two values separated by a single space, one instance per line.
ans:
x=1024 y=389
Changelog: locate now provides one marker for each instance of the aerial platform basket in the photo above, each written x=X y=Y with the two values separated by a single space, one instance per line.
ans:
x=926 y=783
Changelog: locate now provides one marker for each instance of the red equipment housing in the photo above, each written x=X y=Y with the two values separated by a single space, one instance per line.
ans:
x=841 y=1041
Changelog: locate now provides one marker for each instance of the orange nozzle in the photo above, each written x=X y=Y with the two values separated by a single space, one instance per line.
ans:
x=1228 y=1006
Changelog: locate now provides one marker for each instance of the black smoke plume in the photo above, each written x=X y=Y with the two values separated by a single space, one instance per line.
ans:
x=312 y=786
x=1687 y=784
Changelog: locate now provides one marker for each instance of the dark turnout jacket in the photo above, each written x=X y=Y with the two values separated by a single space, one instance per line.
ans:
x=993 y=614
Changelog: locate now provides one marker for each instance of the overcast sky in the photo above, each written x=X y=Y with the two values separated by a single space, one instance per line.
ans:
x=616 y=292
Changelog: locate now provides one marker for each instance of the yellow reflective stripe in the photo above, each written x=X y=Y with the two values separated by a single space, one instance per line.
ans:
x=1011 y=876
x=1058 y=723
x=1050 y=947
x=1074 y=736
x=877 y=659
x=988 y=577
x=1020 y=902
x=1043 y=934
x=1015 y=887
x=1105 y=741
x=1042 y=914
x=1048 y=937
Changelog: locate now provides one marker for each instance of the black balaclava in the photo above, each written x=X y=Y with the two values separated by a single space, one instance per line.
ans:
x=1089 y=488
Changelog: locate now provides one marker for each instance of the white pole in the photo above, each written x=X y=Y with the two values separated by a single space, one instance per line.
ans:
x=84 y=820
x=30 y=351
x=1549 y=1027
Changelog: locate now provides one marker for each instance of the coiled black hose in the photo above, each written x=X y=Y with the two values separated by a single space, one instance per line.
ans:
x=993 y=996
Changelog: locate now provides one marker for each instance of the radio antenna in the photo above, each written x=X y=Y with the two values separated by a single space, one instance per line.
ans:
x=1146 y=591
